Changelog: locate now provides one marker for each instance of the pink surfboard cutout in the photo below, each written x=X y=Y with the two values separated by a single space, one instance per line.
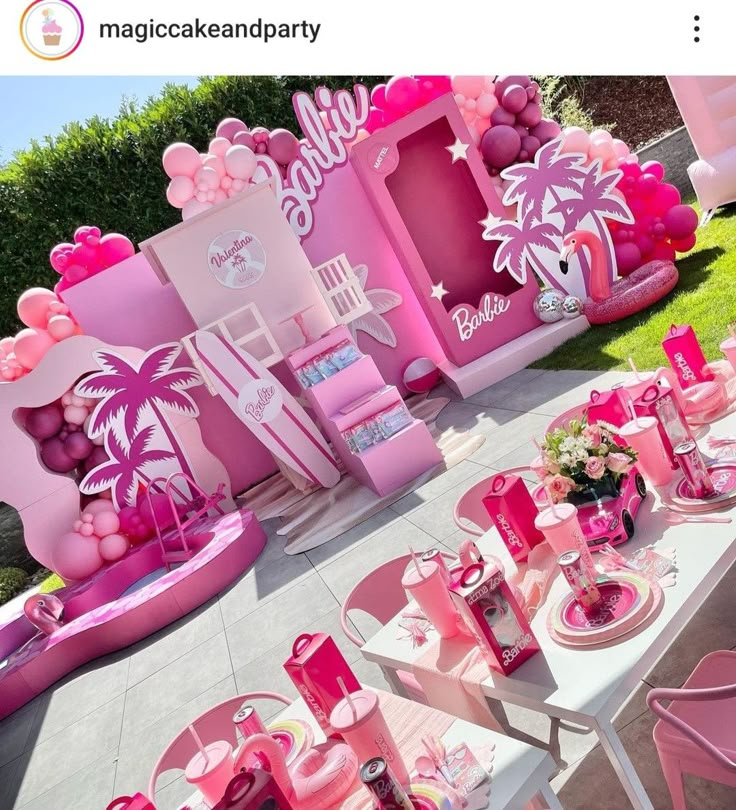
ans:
x=272 y=415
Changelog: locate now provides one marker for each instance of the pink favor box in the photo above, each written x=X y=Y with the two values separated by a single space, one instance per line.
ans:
x=512 y=510
x=686 y=356
x=314 y=666
x=494 y=617
x=608 y=406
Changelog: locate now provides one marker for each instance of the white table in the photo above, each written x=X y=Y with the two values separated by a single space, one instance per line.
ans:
x=588 y=686
x=520 y=771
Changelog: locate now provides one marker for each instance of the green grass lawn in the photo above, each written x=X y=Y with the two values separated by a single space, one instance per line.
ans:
x=705 y=297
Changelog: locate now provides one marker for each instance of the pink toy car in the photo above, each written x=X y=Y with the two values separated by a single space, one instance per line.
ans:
x=609 y=519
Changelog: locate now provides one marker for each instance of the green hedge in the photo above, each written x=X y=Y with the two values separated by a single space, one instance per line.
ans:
x=108 y=172
x=12 y=582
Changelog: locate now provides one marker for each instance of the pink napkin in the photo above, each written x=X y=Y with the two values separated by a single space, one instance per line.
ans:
x=532 y=579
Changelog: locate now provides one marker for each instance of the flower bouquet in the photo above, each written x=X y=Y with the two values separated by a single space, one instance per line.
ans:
x=583 y=462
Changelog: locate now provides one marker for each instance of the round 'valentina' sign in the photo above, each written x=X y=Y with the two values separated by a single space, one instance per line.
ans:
x=236 y=259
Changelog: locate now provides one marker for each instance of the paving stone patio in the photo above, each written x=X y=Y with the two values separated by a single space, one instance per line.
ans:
x=97 y=734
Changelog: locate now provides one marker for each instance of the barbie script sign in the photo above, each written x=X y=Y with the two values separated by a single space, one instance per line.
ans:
x=329 y=122
x=236 y=259
x=468 y=320
x=260 y=401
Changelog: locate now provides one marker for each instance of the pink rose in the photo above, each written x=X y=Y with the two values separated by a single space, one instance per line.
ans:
x=558 y=487
x=593 y=433
x=595 y=467
x=552 y=466
x=618 y=462
x=538 y=468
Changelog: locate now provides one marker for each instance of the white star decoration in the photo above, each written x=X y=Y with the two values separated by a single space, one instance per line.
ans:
x=458 y=150
x=489 y=222
x=438 y=290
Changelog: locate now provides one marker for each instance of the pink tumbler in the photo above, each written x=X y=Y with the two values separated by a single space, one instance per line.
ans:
x=211 y=774
x=561 y=528
x=425 y=583
x=359 y=719
x=643 y=435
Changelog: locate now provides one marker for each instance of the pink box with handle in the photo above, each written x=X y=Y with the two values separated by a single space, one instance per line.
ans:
x=686 y=355
x=512 y=510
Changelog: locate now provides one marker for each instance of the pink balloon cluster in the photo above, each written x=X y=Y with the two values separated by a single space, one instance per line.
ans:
x=663 y=226
x=95 y=539
x=402 y=95
x=60 y=428
x=516 y=128
x=48 y=321
x=90 y=254
x=199 y=181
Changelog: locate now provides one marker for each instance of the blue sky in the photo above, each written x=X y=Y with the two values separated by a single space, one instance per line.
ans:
x=34 y=106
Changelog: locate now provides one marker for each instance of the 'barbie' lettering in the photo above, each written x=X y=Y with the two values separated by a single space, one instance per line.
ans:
x=490 y=307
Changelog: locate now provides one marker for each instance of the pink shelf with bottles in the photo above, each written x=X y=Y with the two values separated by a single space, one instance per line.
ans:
x=370 y=428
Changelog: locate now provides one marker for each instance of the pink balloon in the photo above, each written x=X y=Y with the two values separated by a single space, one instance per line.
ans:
x=240 y=162
x=194 y=207
x=61 y=327
x=33 y=306
x=654 y=167
x=502 y=117
x=530 y=145
x=481 y=125
x=546 y=130
x=664 y=251
x=161 y=509
x=115 y=248
x=207 y=178
x=7 y=346
x=75 y=414
x=502 y=82
x=628 y=257
x=180 y=191
x=486 y=104
x=530 y=116
x=468 y=86
x=219 y=147
x=402 y=94
x=680 y=221
x=600 y=150
x=44 y=422
x=620 y=149
x=514 y=98
x=500 y=146
x=59 y=256
x=55 y=457
x=31 y=345
x=647 y=184
x=113 y=547
x=78 y=446
x=220 y=196
x=244 y=139
x=375 y=119
x=97 y=506
x=645 y=244
x=229 y=127
x=105 y=523
x=97 y=458
x=75 y=557
x=216 y=163
x=283 y=146
x=86 y=530
x=685 y=244
x=378 y=96
x=665 y=197
x=181 y=158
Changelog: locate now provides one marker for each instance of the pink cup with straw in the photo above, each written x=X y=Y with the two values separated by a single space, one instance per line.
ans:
x=211 y=769
x=642 y=380
x=561 y=528
x=642 y=433
x=358 y=717
x=425 y=583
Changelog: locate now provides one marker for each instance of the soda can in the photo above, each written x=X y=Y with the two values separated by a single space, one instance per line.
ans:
x=435 y=555
x=248 y=722
x=586 y=593
x=386 y=789
x=693 y=468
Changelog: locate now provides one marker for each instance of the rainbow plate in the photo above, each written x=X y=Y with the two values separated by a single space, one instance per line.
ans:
x=294 y=736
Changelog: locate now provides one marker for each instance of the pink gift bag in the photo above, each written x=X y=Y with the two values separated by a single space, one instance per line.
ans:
x=686 y=356
x=512 y=510
x=608 y=406
x=135 y=802
x=253 y=790
x=314 y=666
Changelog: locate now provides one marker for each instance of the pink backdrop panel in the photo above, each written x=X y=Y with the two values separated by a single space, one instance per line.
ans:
x=127 y=305
x=345 y=222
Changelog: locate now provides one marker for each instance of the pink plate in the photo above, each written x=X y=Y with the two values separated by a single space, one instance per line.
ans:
x=619 y=598
x=679 y=495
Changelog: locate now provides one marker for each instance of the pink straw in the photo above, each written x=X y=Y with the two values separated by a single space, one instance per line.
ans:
x=634 y=414
x=537 y=444
x=634 y=369
x=550 y=500
x=416 y=563
x=347 y=697
x=200 y=745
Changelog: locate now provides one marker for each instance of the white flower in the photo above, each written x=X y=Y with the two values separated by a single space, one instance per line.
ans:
x=604 y=449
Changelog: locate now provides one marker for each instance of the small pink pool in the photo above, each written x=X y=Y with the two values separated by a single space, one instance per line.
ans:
x=124 y=603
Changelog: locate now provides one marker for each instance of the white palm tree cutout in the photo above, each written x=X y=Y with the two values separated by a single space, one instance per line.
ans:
x=373 y=323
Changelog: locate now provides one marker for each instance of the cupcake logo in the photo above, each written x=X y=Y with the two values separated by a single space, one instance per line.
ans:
x=51 y=29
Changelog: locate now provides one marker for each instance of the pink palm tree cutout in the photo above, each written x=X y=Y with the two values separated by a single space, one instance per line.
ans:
x=124 y=471
x=373 y=323
x=518 y=240
x=128 y=389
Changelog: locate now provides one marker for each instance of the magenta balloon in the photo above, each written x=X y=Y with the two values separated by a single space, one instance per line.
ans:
x=59 y=256
x=631 y=169
x=55 y=457
x=680 y=221
x=375 y=119
x=514 y=98
x=546 y=130
x=229 y=127
x=521 y=130
x=97 y=457
x=500 y=146
x=647 y=184
x=402 y=94
x=283 y=146
x=44 y=422
x=530 y=144
x=665 y=197
x=78 y=446
x=161 y=510
x=620 y=235
x=181 y=158
x=244 y=138
x=115 y=248
x=645 y=244
x=502 y=117
x=503 y=82
x=378 y=96
x=33 y=306
x=628 y=257
x=685 y=244
x=654 y=167
x=664 y=251
x=530 y=116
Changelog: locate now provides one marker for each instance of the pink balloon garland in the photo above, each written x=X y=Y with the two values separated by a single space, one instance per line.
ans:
x=89 y=254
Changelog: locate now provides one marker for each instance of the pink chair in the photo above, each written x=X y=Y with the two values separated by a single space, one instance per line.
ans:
x=380 y=595
x=696 y=733
x=215 y=724
x=470 y=514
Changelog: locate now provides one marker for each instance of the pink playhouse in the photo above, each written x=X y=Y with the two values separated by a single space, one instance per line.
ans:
x=278 y=334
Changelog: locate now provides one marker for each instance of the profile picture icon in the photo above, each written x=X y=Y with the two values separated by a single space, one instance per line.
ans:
x=51 y=29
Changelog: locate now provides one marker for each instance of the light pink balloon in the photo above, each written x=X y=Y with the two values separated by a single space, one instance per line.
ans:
x=113 y=547
x=61 y=327
x=75 y=415
x=86 y=530
x=31 y=345
x=33 y=306
x=244 y=139
x=238 y=185
x=180 y=191
x=219 y=146
x=482 y=124
x=468 y=86
x=207 y=179
x=575 y=139
x=226 y=182
x=216 y=163
x=240 y=162
x=228 y=127
x=601 y=135
x=115 y=248
x=98 y=505
x=7 y=345
x=220 y=196
x=601 y=150
x=194 y=207
x=75 y=557
x=181 y=158
x=486 y=104
x=620 y=149
x=106 y=522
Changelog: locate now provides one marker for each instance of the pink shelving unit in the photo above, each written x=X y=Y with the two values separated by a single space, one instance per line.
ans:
x=354 y=394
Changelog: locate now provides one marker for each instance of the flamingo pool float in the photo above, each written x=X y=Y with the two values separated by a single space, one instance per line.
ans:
x=318 y=780
x=640 y=289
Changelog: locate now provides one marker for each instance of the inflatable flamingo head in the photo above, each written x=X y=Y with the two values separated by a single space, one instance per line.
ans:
x=572 y=243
